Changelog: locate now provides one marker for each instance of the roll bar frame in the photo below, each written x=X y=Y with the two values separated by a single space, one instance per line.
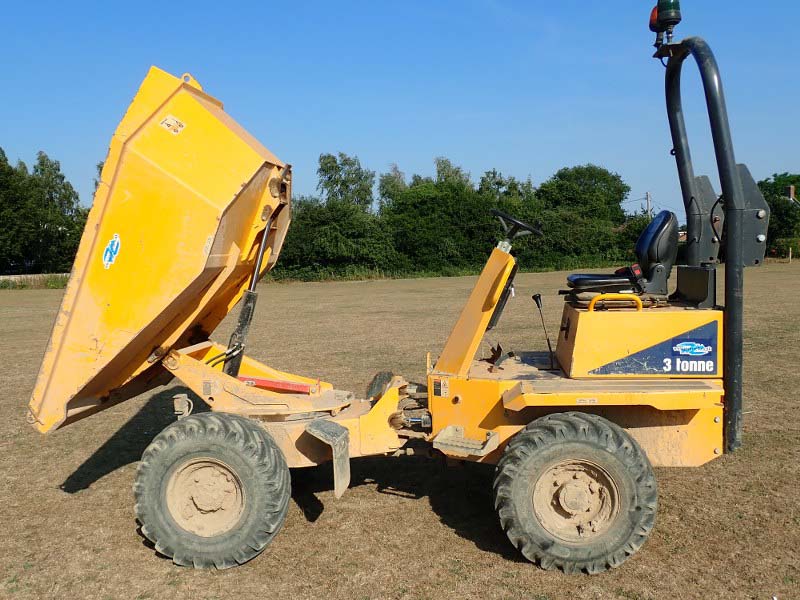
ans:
x=734 y=201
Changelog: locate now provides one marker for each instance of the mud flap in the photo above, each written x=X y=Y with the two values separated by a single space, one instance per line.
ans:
x=338 y=438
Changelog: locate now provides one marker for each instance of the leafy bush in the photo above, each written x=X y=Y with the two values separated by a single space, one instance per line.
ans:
x=440 y=225
x=780 y=247
x=443 y=225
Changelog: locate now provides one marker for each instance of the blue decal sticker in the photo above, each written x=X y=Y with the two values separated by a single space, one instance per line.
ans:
x=691 y=353
x=111 y=251
x=692 y=349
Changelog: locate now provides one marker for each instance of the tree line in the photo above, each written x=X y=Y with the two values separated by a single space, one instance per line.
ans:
x=41 y=218
x=361 y=224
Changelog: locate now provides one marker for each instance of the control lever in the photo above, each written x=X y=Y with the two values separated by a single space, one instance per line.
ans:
x=537 y=298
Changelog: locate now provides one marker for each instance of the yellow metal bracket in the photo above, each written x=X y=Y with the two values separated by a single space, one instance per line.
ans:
x=229 y=394
x=661 y=395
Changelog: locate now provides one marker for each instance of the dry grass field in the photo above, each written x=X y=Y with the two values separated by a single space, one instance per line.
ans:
x=409 y=527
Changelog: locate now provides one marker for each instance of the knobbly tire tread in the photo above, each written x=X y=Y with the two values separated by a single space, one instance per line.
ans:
x=378 y=384
x=601 y=436
x=268 y=489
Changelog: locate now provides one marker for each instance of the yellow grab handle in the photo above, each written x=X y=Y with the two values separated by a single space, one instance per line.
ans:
x=635 y=299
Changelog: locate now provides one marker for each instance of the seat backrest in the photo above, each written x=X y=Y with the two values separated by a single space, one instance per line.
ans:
x=657 y=248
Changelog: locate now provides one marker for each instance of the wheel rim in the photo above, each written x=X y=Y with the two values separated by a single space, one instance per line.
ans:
x=205 y=497
x=576 y=500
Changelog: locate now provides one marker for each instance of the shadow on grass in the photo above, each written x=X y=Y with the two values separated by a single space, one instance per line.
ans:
x=460 y=496
x=129 y=442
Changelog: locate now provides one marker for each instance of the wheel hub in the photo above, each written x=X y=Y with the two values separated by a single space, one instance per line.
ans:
x=575 y=500
x=205 y=497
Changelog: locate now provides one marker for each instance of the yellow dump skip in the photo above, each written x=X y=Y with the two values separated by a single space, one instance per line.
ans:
x=185 y=198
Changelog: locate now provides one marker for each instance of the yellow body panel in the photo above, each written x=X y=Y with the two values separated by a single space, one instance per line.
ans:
x=679 y=424
x=374 y=431
x=676 y=416
x=286 y=415
x=184 y=200
x=589 y=340
x=228 y=394
x=671 y=395
x=466 y=336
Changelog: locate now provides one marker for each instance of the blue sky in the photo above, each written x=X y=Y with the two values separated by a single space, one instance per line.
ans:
x=526 y=87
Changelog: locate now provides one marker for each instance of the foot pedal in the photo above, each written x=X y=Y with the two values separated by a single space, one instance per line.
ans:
x=338 y=438
x=452 y=442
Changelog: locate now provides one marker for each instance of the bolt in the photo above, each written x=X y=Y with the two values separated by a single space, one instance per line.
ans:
x=761 y=214
x=717 y=451
x=761 y=237
x=716 y=419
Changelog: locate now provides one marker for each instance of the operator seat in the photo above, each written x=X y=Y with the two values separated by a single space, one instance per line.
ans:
x=656 y=251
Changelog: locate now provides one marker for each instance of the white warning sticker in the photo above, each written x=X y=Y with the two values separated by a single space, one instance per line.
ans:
x=586 y=401
x=172 y=124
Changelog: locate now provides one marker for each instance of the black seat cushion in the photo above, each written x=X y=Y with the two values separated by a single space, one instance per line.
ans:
x=656 y=250
x=658 y=243
x=593 y=280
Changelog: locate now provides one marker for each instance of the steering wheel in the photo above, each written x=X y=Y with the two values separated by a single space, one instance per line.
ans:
x=513 y=227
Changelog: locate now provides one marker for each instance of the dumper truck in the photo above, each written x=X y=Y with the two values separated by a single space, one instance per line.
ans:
x=192 y=211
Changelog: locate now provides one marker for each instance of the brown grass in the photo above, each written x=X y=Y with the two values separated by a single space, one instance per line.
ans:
x=408 y=528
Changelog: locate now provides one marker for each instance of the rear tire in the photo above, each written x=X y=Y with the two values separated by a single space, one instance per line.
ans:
x=575 y=492
x=212 y=490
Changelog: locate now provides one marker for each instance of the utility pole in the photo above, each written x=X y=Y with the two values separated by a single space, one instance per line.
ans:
x=649 y=206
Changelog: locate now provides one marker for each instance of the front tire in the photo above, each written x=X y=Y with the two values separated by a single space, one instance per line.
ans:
x=212 y=490
x=575 y=492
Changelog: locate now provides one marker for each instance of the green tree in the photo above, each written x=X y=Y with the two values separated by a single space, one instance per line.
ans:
x=99 y=167
x=14 y=211
x=59 y=216
x=582 y=220
x=391 y=185
x=784 y=221
x=42 y=217
x=628 y=234
x=338 y=235
x=511 y=195
x=343 y=179
x=494 y=184
x=335 y=238
x=448 y=173
x=441 y=224
x=587 y=190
